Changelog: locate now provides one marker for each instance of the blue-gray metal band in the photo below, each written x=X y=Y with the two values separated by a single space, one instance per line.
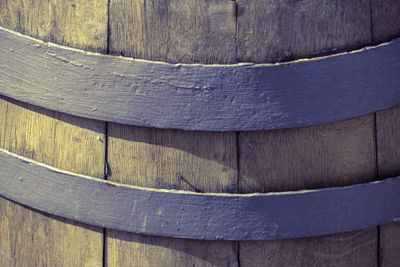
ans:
x=183 y=214
x=199 y=97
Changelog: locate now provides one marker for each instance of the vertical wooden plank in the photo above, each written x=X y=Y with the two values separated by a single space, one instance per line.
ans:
x=385 y=19
x=171 y=154
x=6 y=258
x=196 y=161
x=388 y=137
x=333 y=154
x=3 y=116
x=174 y=30
x=30 y=238
x=385 y=26
x=388 y=140
x=309 y=157
x=77 y=23
x=276 y=30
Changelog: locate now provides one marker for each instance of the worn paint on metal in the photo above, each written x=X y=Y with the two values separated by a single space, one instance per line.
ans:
x=200 y=97
x=184 y=214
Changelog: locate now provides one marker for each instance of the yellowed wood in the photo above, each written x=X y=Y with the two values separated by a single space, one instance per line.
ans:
x=171 y=159
x=386 y=25
x=3 y=116
x=77 y=23
x=146 y=251
x=29 y=238
x=388 y=137
x=267 y=29
x=327 y=155
x=333 y=154
x=174 y=30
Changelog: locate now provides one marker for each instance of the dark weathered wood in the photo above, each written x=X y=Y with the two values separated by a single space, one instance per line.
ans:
x=199 y=97
x=385 y=25
x=385 y=19
x=388 y=144
x=338 y=153
x=329 y=250
x=291 y=152
x=279 y=30
x=185 y=214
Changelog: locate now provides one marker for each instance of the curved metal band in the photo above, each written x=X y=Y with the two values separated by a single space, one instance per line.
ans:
x=199 y=97
x=184 y=214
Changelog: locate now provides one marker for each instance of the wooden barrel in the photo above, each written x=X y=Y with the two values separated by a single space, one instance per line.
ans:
x=341 y=153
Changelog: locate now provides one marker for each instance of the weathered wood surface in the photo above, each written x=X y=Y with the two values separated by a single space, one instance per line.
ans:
x=385 y=19
x=292 y=153
x=171 y=159
x=76 y=23
x=174 y=31
x=199 y=32
x=200 y=97
x=181 y=214
x=300 y=26
x=280 y=30
x=386 y=24
x=307 y=158
x=388 y=138
x=327 y=155
x=29 y=238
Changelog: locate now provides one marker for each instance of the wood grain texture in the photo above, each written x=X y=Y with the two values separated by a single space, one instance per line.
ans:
x=171 y=159
x=76 y=23
x=200 y=97
x=268 y=29
x=150 y=159
x=385 y=19
x=366 y=241
x=29 y=238
x=52 y=138
x=311 y=157
x=290 y=158
x=181 y=214
x=174 y=30
x=388 y=138
x=345 y=249
x=385 y=24
x=300 y=166
x=3 y=119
